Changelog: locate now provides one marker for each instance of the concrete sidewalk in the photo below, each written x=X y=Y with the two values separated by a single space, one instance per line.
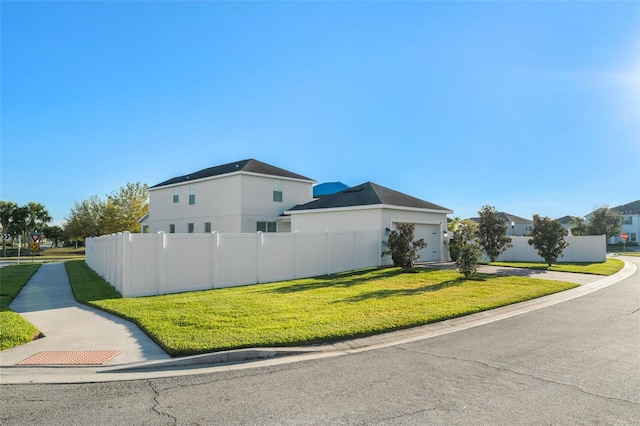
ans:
x=47 y=302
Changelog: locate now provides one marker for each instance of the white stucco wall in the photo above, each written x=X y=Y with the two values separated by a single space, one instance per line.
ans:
x=429 y=225
x=231 y=203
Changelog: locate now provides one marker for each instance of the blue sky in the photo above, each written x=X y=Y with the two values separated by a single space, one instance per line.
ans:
x=531 y=107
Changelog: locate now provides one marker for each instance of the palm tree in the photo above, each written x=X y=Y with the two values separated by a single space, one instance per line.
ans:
x=7 y=209
x=578 y=226
x=37 y=216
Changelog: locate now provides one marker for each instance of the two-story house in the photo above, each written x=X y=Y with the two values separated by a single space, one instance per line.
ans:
x=243 y=196
x=630 y=213
x=516 y=226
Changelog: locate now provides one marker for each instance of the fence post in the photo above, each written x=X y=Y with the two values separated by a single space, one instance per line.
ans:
x=125 y=263
x=161 y=253
x=296 y=256
x=327 y=252
x=355 y=248
x=259 y=244
x=213 y=258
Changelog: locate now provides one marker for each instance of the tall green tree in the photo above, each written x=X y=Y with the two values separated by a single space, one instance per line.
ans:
x=492 y=231
x=604 y=221
x=402 y=246
x=119 y=212
x=85 y=219
x=53 y=233
x=547 y=238
x=469 y=249
x=125 y=207
x=578 y=226
x=7 y=210
x=37 y=216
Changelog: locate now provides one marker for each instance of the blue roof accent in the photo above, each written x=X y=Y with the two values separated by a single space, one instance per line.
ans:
x=328 y=188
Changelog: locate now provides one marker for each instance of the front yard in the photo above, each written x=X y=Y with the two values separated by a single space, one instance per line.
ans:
x=307 y=311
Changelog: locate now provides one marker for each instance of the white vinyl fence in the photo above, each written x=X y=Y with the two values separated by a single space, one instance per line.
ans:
x=151 y=264
x=592 y=248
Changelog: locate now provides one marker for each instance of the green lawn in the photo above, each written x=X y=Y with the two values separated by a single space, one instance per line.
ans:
x=609 y=267
x=305 y=311
x=14 y=330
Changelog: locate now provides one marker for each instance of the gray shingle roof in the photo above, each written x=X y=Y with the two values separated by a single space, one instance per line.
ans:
x=366 y=194
x=250 y=165
x=629 y=208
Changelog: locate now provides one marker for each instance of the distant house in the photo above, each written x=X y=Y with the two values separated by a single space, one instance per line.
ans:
x=372 y=206
x=243 y=196
x=630 y=221
x=516 y=226
x=567 y=222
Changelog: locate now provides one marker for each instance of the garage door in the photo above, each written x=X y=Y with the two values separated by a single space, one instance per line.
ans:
x=431 y=235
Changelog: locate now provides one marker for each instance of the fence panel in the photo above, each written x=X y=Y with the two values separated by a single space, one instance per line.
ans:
x=147 y=264
x=278 y=257
x=581 y=249
x=236 y=258
x=311 y=254
x=144 y=264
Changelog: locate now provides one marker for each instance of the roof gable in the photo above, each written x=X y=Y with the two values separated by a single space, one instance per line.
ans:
x=250 y=165
x=632 y=208
x=367 y=194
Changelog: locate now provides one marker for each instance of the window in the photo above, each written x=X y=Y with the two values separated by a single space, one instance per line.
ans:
x=207 y=227
x=176 y=195
x=277 y=191
x=266 y=227
x=633 y=237
x=192 y=194
x=190 y=228
x=627 y=220
x=172 y=228
x=145 y=229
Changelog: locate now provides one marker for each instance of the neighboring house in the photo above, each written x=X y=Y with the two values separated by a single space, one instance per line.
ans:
x=243 y=196
x=328 y=188
x=371 y=206
x=567 y=222
x=516 y=226
x=630 y=221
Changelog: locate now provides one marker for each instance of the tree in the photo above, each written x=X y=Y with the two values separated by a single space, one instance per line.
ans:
x=7 y=210
x=37 y=216
x=402 y=247
x=492 y=232
x=53 y=233
x=125 y=207
x=604 y=221
x=548 y=238
x=469 y=252
x=85 y=219
x=577 y=226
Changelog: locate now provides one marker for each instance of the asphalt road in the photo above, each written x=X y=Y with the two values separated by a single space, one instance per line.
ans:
x=577 y=362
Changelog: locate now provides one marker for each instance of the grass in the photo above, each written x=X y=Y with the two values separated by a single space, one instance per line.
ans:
x=609 y=267
x=14 y=330
x=87 y=286
x=60 y=254
x=307 y=311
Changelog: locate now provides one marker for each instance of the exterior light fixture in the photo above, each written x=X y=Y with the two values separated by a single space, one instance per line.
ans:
x=513 y=224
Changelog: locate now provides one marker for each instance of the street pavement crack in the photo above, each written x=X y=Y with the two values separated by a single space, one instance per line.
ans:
x=523 y=374
x=156 y=404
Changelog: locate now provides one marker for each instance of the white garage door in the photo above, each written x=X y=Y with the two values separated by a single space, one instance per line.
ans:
x=431 y=235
